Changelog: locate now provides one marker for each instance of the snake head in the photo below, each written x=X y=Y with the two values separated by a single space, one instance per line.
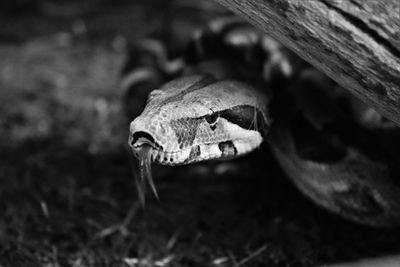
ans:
x=199 y=118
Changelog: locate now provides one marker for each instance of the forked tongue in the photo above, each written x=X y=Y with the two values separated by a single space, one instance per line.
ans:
x=144 y=156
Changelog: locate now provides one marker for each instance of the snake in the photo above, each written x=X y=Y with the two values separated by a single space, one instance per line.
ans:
x=235 y=88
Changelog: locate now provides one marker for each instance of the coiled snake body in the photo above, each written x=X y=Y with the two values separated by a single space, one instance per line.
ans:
x=220 y=106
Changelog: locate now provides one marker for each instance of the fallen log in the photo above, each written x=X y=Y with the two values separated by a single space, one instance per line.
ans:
x=355 y=42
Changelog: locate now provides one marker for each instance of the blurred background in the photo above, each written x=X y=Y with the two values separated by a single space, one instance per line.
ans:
x=67 y=193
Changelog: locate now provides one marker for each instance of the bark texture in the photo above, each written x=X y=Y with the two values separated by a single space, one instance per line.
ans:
x=355 y=42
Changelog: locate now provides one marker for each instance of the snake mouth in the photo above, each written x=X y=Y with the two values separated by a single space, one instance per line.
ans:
x=140 y=139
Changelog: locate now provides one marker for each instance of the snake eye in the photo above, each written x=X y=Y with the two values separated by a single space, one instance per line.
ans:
x=212 y=119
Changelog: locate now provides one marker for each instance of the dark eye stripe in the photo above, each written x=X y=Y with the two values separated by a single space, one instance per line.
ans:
x=212 y=118
x=245 y=116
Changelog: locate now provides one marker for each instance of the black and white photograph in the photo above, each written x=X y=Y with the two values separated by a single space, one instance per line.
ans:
x=183 y=133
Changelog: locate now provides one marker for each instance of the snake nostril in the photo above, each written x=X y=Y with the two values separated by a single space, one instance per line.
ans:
x=141 y=138
x=141 y=135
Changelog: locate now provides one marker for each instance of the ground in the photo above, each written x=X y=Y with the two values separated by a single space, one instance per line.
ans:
x=67 y=192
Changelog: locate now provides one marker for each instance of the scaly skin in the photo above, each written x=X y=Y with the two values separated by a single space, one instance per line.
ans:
x=202 y=117
x=198 y=118
x=335 y=173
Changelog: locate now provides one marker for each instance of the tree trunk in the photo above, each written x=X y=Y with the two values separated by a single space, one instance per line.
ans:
x=355 y=42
